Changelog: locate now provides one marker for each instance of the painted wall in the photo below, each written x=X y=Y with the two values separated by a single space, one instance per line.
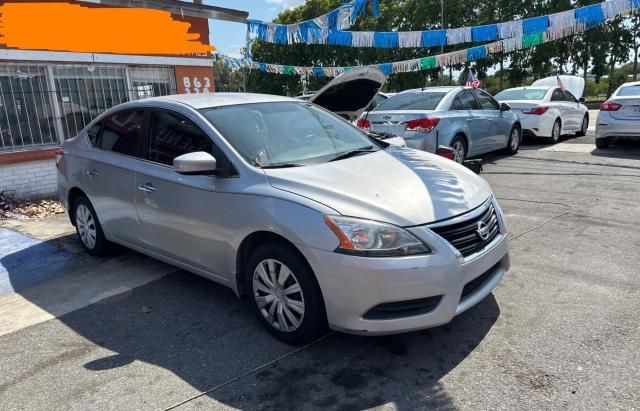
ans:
x=29 y=180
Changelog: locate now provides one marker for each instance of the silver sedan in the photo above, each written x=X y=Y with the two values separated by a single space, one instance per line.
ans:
x=470 y=121
x=316 y=223
x=619 y=117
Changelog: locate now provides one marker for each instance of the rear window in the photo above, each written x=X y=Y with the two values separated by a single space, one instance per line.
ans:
x=422 y=100
x=629 y=91
x=521 y=94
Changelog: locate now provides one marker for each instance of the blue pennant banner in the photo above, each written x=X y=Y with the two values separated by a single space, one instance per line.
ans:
x=330 y=28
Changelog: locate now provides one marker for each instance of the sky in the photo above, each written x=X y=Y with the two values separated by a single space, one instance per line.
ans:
x=229 y=37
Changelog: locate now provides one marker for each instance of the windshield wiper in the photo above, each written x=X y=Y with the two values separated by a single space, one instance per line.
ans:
x=282 y=165
x=353 y=153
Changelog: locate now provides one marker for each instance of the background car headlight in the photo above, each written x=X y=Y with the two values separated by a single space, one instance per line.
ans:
x=373 y=239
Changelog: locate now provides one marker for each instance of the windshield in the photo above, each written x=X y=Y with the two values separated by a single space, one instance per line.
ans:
x=286 y=133
x=419 y=100
x=521 y=94
x=629 y=91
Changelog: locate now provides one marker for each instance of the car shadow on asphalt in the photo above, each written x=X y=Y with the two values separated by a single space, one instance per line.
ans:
x=203 y=334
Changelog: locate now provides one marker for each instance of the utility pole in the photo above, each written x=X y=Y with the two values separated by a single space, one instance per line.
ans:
x=442 y=46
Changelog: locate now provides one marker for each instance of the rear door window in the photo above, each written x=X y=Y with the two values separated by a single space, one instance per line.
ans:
x=570 y=97
x=173 y=135
x=94 y=133
x=122 y=133
x=486 y=101
x=558 y=95
x=457 y=104
x=468 y=101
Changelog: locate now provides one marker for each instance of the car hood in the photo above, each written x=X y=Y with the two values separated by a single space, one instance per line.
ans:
x=396 y=185
x=349 y=94
x=574 y=84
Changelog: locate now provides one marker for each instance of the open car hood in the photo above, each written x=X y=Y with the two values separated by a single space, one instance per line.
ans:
x=349 y=94
x=574 y=84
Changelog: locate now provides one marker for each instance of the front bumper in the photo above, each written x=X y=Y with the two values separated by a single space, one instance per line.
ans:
x=352 y=286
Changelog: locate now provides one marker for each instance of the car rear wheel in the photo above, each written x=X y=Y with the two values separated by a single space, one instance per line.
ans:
x=555 y=132
x=459 y=146
x=89 y=229
x=514 y=140
x=285 y=295
x=584 y=126
x=602 y=143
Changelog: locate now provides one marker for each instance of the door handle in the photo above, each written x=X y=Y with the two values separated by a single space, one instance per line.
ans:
x=92 y=173
x=147 y=188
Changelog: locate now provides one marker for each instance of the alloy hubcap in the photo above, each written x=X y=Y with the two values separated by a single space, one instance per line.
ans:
x=278 y=295
x=585 y=125
x=515 y=139
x=86 y=226
x=556 y=132
x=458 y=147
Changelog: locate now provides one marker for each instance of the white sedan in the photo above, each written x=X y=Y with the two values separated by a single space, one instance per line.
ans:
x=619 y=117
x=546 y=111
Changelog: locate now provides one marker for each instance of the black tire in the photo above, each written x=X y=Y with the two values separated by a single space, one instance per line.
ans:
x=460 y=157
x=512 y=148
x=584 y=126
x=602 y=143
x=556 y=137
x=313 y=322
x=101 y=246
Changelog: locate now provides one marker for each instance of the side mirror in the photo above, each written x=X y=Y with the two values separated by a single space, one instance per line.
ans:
x=197 y=162
x=505 y=107
x=582 y=100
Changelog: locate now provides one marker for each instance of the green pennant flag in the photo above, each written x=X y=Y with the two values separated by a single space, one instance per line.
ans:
x=427 y=63
x=530 y=40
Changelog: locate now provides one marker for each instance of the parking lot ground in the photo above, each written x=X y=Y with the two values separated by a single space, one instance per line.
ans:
x=560 y=331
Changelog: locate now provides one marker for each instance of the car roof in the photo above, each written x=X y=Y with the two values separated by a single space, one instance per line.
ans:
x=206 y=100
x=529 y=88
x=441 y=89
x=631 y=83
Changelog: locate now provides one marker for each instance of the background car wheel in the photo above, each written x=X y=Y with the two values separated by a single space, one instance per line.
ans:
x=459 y=145
x=602 y=143
x=89 y=229
x=285 y=295
x=515 y=138
x=555 y=132
x=584 y=126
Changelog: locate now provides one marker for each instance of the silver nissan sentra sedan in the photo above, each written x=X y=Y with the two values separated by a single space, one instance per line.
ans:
x=315 y=223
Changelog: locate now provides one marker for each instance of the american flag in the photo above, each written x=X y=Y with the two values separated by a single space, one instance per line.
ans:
x=472 y=80
x=559 y=82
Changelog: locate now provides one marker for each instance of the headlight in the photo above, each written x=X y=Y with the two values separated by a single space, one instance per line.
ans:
x=373 y=239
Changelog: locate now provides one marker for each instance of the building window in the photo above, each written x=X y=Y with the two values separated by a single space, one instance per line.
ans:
x=26 y=118
x=86 y=91
x=152 y=81
x=42 y=104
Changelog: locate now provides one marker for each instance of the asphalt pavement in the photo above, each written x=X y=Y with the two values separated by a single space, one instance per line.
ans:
x=560 y=331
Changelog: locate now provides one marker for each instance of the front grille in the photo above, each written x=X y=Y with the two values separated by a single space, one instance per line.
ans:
x=465 y=236
x=400 y=309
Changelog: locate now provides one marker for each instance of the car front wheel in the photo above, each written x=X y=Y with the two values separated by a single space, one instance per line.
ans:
x=285 y=295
